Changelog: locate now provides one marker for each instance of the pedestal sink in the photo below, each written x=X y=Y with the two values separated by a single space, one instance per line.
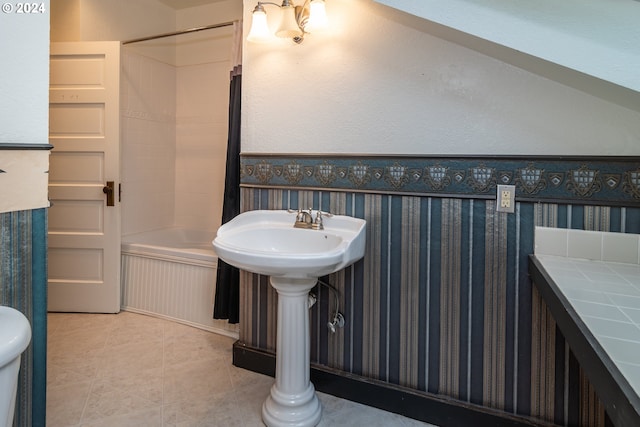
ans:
x=266 y=242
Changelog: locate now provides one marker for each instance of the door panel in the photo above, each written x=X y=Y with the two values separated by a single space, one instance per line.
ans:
x=73 y=167
x=88 y=264
x=77 y=120
x=69 y=216
x=71 y=70
x=84 y=233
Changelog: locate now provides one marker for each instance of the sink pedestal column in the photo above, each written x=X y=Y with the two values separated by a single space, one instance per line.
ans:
x=292 y=400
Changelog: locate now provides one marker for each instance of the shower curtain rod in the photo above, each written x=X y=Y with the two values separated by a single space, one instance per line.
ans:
x=177 y=33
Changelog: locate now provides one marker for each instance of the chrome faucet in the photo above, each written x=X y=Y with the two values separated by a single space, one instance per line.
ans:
x=305 y=219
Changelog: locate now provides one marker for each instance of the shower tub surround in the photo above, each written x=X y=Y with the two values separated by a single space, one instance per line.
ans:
x=442 y=321
x=171 y=273
x=591 y=283
x=174 y=134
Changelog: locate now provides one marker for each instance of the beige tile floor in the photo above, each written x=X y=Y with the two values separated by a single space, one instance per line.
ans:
x=134 y=370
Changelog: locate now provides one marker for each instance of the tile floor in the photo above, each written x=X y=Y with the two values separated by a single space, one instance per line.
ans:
x=135 y=370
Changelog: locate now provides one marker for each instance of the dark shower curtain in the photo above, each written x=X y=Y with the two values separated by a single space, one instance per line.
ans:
x=227 y=301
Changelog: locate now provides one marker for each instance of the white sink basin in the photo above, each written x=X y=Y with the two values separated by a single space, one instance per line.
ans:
x=265 y=242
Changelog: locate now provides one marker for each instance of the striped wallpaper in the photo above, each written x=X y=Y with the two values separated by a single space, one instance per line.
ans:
x=442 y=301
x=23 y=264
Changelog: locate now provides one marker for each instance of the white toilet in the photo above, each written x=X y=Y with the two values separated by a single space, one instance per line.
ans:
x=15 y=334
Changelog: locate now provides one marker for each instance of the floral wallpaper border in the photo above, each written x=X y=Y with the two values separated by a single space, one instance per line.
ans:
x=591 y=180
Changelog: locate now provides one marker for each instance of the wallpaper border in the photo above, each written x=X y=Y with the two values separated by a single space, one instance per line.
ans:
x=565 y=179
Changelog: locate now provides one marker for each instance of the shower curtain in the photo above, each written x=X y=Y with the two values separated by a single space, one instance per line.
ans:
x=227 y=299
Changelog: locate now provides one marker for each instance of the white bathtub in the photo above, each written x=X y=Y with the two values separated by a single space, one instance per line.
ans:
x=171 y=273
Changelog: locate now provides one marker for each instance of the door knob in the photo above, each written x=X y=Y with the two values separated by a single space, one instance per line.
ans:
x=108 y=190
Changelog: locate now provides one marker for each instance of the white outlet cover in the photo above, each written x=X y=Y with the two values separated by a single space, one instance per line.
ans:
x=506 y=198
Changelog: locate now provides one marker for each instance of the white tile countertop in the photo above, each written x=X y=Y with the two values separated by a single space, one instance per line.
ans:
x=606 y=296
x=595 y=278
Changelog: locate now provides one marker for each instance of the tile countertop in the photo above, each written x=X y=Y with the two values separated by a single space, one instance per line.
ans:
x=591 y=283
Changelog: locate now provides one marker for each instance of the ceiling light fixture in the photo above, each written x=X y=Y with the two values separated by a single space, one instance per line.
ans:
x=296 y=21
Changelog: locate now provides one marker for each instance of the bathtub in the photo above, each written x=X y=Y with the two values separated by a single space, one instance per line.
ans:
x=171 y=274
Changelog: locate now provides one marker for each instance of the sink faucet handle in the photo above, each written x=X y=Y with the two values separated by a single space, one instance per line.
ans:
x=317 y=222
x=299 y=214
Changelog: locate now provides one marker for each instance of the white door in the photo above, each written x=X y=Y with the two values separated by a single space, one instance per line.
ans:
x=84 y=232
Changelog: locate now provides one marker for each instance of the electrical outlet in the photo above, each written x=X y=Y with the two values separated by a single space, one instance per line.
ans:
x=506 y=198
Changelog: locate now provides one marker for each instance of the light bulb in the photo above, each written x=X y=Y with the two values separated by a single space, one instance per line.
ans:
x=289 y=27
x=317 y=16
x=259 y=32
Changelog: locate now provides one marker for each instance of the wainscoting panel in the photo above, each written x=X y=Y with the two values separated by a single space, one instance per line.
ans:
x=442 y=301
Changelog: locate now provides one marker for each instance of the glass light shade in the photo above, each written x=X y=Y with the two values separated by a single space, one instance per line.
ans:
x=317 y=16
x=259 y=32
x=288 y=26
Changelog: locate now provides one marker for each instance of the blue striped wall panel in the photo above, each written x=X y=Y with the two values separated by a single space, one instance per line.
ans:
x=23 y=278
x=442 y=301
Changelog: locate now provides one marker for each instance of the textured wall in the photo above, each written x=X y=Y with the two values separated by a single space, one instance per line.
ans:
x=560 y=32
x=24 y=79
x=375 y=83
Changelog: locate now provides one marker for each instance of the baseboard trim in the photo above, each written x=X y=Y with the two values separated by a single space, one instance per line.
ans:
x=426 y=407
